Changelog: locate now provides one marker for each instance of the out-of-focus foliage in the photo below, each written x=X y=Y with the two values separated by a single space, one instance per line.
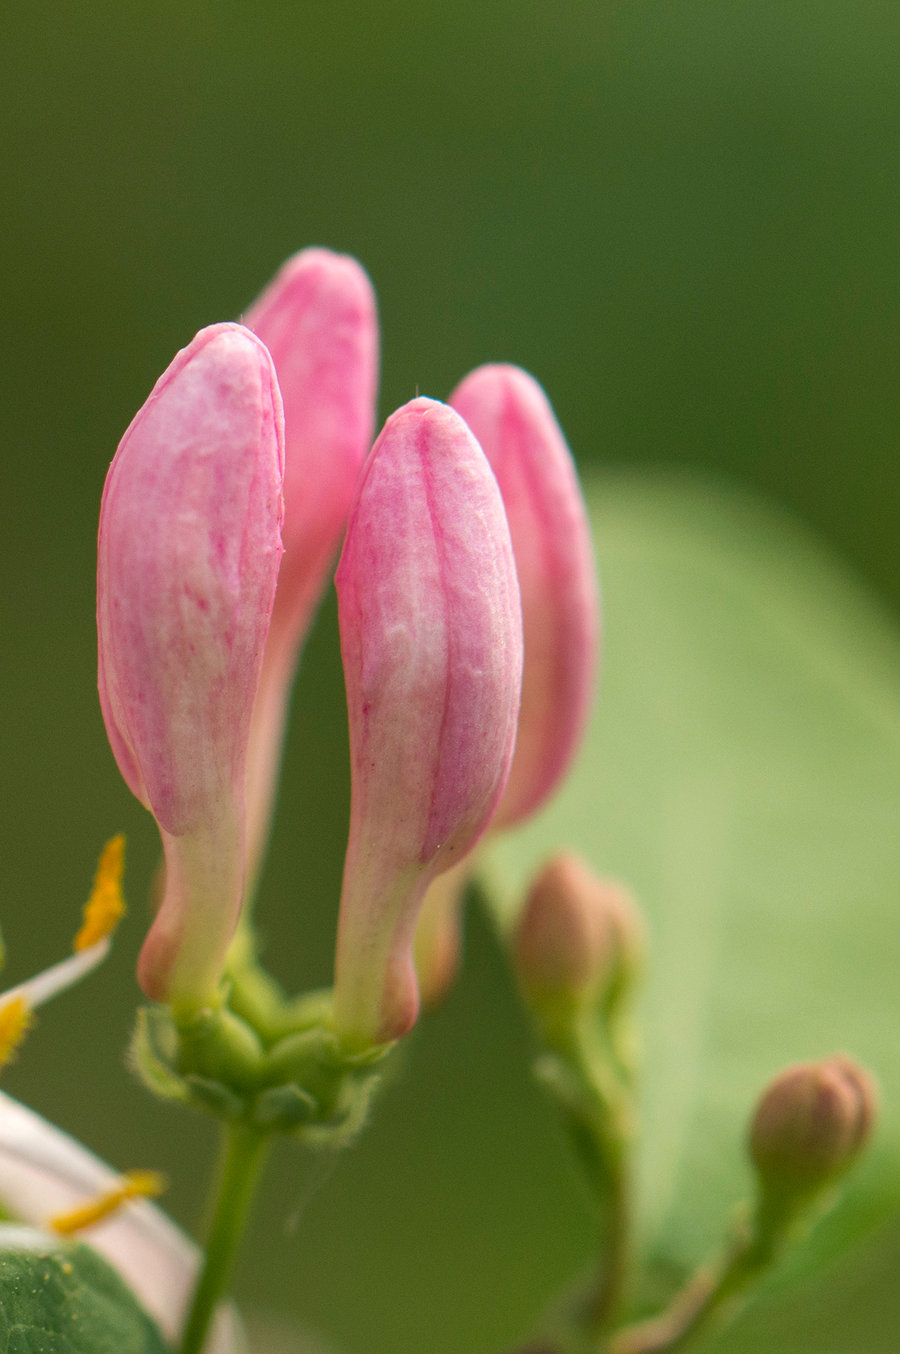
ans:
x=743 y=774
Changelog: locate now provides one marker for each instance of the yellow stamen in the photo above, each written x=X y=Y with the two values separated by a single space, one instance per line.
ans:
x=133 y=1185
x=106 y=906
x=15 y=1021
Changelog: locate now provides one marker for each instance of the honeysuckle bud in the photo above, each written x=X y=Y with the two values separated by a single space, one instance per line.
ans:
x=431 y=640
x=188 y=554
x=509 y=414
x=578 y=938
x=45 y=1174
x=319 y=322
x=810 y=1125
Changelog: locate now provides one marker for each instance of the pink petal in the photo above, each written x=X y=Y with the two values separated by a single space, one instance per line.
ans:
x=188 y=554
x=319 y=322
x=432 y=647
x=512 y=419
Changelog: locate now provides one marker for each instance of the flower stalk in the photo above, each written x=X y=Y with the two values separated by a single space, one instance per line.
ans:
x=242 y=1159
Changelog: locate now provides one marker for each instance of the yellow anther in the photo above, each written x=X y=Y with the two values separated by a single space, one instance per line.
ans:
x=106 y=906
x=16 y=1018
x=132 y=1185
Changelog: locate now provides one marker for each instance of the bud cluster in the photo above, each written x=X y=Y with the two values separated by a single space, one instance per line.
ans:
x=469 y=624
x=464 y=531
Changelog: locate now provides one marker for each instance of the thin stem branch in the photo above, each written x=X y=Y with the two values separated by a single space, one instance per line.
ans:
x=612 y=1265
x=600 y=1125
x=705 y=1298
x=244 y=1150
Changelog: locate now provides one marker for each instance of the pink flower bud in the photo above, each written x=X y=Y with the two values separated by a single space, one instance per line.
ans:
x=318 y=320
x=432 y=646
x=578 y=938
x=509 y=414
x=811 y=1124
x=188 y=554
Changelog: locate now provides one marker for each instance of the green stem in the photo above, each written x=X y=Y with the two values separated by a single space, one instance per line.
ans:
x=587 y=1068
x=612 y=1267
x=706 y=1298
x=601 y=1129
x=242 y=1159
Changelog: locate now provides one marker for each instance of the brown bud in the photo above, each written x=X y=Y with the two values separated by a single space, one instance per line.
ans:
x=578 y=936
x=812 y=1123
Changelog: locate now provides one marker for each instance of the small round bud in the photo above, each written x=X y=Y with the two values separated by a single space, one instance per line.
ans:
x=811 y=1124
x=578 y=936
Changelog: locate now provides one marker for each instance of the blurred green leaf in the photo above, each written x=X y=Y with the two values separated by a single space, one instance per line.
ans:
x=63 y=1299
x=742 y=774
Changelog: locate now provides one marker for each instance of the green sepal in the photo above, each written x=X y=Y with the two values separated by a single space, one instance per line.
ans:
x=255 y=996
x=62 y=1298
x=311 y=1059
x=214 y=1097
x=219 y=1046
x=154 y=1054
x=311 y=1009
x=282 y=1109
x=346 y=1116
x=306 y=1083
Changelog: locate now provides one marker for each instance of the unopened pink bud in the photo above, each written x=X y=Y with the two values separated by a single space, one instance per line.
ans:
x=509 y=414
x=188 y=554
x=318 y=320
x=811 y=1124
x=431 y=639
x=578 y=936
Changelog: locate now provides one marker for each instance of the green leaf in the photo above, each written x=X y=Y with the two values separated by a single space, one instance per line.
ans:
x=61 y=1298
x=742 y=774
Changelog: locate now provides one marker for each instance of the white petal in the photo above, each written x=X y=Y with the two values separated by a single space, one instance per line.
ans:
x=44 y=1172
x=15 y=1236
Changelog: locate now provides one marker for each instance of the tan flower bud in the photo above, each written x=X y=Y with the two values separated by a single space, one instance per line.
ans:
x=811 y=1124
x=578 y=936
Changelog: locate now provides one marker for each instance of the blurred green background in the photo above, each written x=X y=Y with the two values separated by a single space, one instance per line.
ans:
x=682 y=218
